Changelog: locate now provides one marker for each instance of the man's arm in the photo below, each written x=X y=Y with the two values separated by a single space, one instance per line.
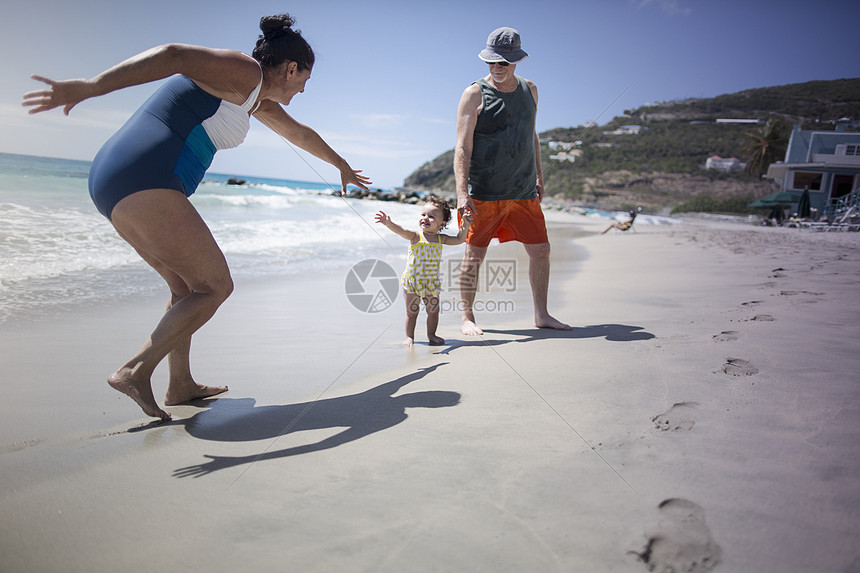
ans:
x=467 y=118
x=539 y=170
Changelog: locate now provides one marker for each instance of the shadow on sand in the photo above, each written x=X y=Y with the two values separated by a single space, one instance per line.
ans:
x=371 y=411
x=611 y=332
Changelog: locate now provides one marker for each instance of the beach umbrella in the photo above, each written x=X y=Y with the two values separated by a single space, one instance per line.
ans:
x=777 y=199
x=776 y=214
x=803 y=210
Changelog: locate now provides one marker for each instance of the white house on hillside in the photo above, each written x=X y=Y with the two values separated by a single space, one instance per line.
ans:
x=730 y=120
x=626 y=130
x=724 y=164
x=825 y=162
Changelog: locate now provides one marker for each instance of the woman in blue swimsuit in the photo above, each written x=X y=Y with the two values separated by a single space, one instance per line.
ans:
x=142 y=177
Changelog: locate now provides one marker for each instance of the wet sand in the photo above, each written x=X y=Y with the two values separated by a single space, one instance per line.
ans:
x=703 y=413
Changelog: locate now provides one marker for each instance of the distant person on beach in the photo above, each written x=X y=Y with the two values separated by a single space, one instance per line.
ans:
x=621 y=225
x=142 y=177
x=498 y=175
x=420 y=280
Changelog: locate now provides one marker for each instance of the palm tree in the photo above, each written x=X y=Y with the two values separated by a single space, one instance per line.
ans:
x=766 y=146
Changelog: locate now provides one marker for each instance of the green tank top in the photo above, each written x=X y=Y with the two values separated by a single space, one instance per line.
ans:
x=503 y=149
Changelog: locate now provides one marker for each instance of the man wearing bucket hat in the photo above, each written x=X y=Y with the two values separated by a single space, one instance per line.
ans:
x=498 y=173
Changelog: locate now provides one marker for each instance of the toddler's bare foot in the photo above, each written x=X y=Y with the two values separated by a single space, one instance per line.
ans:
x=140 y=392
x=408 y=342
x=190 y=392
x=435 y=340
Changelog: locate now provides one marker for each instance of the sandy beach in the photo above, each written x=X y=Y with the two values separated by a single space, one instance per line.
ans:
x=703 y=414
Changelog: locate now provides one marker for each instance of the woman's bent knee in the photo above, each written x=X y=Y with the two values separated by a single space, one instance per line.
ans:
x=219 y=287
x=224 y=288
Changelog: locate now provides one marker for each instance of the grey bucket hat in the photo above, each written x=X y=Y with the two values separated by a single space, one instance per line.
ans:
x=503 y=45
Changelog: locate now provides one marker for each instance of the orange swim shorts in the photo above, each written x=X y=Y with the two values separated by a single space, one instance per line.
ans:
x=509 y=220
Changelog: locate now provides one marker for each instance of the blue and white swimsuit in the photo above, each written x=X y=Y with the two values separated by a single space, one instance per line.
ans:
x=168 y=143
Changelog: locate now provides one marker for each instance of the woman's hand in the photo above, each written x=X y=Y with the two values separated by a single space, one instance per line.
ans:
x=353 y=176
x=66 y=94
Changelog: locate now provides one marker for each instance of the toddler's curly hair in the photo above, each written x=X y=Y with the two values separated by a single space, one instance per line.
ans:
x=443 y=206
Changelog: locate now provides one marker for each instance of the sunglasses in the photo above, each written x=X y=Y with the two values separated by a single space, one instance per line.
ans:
x=503 y=64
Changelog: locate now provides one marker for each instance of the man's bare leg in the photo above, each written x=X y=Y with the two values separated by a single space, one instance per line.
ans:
x=472 y=259
x=539 y=279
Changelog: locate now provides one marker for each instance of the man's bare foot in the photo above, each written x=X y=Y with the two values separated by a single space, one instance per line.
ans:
x=191 y=392
x=435 y=340
x=550 y=322
x=469 y=328
x=140 y=392
x=408 y=342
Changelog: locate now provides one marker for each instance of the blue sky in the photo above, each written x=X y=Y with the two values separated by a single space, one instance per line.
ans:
x=389 y=74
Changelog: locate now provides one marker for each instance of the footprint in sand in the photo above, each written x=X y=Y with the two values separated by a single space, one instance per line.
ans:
x=758 y=317
x=18 y=446
x=726 y=336
x=803 y=300
x=681 y=540
x=763 y=318
x=739 y=367
x=676 y=418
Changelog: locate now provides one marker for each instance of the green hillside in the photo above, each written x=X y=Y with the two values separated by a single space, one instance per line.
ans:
x=662 y=166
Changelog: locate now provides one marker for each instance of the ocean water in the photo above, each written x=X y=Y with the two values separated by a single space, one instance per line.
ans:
x=56 y=249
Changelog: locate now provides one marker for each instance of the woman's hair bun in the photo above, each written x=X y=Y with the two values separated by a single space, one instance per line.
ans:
x=280 y=43
x=275 y=26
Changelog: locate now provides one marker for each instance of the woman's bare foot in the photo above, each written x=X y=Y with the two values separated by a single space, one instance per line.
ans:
x=140 y=392
x=550 y=322
x=188 y=392
x=435 y=340
x=408 y=342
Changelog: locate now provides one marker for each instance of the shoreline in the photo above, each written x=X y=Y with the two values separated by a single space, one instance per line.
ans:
x=705 y=405
x=264 y=314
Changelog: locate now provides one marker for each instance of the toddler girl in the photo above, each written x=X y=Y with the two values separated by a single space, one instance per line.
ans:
x=420 y=280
